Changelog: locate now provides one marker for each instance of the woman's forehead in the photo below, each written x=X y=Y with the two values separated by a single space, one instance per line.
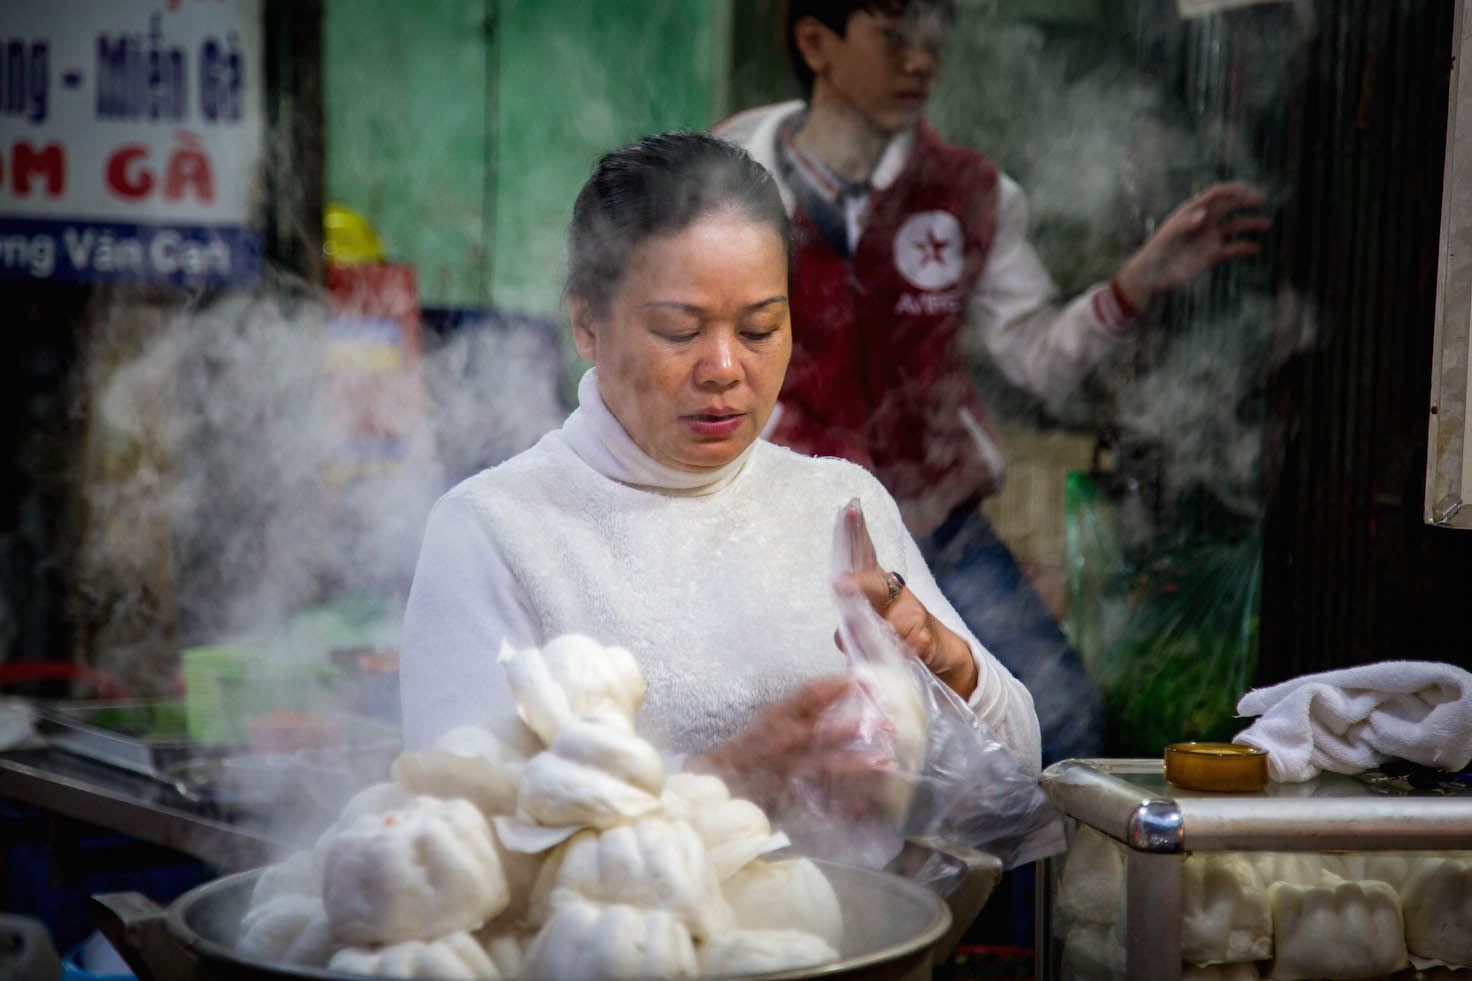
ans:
x=725 y=220
x=720 y=239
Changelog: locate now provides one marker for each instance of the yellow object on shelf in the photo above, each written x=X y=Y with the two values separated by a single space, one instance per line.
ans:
x=1216 y=766
x=347 y=237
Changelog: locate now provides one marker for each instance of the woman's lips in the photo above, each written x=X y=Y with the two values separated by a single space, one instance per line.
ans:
x=711 y=424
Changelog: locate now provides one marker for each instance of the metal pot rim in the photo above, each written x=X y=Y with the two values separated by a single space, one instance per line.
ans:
x=211 y=950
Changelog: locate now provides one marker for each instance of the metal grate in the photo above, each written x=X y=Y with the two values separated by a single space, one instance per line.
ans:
x=1350 y=573
x=1339 y=111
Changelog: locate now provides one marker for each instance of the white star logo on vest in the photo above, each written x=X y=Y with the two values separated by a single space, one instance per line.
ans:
x=927 y=250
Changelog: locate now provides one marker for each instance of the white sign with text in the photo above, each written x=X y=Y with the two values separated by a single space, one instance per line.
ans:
x=131 y=137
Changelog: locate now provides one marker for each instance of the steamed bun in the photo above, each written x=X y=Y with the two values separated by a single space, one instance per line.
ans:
x=1391 y=868
x=468 y=762
x=450 y=958
x=653 y=864
x=521 y=871
x=734 y=830
x=570 y=677
x=376 y=799
x=1091 y=890
x=285 y=921
x=597 y=773
x=506 y=950
x=287 y=929
x=1337 y=929
x=1092 y=952
x=791 y=894
x=761 y=951
x=1220 y=972
x=594 y=940
x=296 y=875
x=888 y=705
x=425 y=870
x=685 y=792
x=1296 y=868
x=1438 y=910
x=1225 y=914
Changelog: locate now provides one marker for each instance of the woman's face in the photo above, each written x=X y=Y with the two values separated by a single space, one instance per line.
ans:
x=693 y=347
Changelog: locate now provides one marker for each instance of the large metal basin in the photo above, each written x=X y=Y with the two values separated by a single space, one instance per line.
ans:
x=891 y=930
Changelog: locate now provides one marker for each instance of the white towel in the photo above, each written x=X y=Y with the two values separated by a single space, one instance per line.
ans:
x=1354 y=719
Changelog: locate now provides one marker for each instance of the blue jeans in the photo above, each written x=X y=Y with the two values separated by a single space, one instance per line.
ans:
x=978 y=574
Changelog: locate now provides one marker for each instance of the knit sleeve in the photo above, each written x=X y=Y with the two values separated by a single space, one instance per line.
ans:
x=463 y=603
x=999 y=699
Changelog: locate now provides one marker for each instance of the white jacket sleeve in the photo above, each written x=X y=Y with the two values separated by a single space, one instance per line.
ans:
x=1000 y=700
x=463 y=602
x=1039 y=346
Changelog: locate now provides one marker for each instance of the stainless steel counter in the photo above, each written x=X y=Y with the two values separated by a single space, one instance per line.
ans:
x=130 y=767
x=131 y=804
x=1158 y=824
x=1130 y=801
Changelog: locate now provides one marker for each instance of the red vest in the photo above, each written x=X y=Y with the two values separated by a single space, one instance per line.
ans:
x=878 y=374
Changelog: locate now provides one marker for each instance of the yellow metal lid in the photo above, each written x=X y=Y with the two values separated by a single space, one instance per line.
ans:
x=1216 y=766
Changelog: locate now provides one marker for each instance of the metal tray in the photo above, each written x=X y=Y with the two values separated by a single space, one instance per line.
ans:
x=315 y=780
x=141 y=736
x=149 y=737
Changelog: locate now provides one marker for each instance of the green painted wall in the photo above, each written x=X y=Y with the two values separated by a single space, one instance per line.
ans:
x=405 y=94
x=577 y=78
x=463 y=128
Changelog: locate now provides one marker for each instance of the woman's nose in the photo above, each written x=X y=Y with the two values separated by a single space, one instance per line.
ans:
x=718 y=363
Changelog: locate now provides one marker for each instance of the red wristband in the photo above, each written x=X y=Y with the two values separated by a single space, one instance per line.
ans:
x=1125 y=306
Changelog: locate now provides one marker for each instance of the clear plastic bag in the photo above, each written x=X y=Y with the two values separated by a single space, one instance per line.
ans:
x=933 y=768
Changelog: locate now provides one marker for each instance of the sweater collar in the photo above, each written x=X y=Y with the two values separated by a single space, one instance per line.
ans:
x=601 y=441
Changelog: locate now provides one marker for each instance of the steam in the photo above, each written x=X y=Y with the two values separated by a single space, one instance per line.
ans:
x=1016 y=100
x=1105 y=151
x=227 y=453
x=1192 y=404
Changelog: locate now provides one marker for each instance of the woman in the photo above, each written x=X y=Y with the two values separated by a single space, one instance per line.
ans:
x=656 y=519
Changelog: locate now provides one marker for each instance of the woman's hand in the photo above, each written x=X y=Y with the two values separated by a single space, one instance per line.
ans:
x=937 y=646
x=946 y=655
x=790 y=741
x=1205 y=230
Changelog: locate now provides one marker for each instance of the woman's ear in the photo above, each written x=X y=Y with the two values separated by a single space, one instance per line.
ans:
x=584 y=330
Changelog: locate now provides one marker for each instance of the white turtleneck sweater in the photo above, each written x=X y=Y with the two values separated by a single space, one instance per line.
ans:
x=718 y=582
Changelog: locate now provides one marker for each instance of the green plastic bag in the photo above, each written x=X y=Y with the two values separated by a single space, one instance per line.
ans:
x=1169 y=636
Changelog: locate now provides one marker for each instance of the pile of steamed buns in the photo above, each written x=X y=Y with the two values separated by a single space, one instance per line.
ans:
x=1281 y=915
x=568 y=855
